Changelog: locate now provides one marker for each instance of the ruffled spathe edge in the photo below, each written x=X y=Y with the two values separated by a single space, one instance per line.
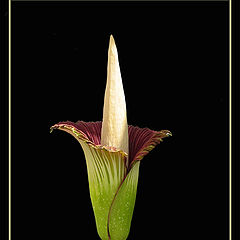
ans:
x=88 y=135
x=141 y=140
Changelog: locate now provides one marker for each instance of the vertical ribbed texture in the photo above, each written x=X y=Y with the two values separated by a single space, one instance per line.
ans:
x=106 y=171
x=113 y=185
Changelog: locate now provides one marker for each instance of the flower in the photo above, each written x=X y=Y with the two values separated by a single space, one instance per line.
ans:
x=113 y=151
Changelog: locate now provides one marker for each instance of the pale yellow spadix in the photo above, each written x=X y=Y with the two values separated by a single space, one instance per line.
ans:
x=114 y=126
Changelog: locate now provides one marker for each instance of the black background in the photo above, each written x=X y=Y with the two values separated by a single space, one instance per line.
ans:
x=174 y=65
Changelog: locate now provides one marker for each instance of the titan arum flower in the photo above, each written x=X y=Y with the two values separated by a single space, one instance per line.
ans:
x=113 y=151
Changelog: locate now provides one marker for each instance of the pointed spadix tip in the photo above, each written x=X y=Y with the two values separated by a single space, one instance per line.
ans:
x=112 y=45
x=111 y=39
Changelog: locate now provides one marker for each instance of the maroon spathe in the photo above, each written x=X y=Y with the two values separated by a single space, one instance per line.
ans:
x=141 y=140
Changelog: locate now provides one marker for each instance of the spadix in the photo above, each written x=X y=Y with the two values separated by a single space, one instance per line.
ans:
x=114 y=126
